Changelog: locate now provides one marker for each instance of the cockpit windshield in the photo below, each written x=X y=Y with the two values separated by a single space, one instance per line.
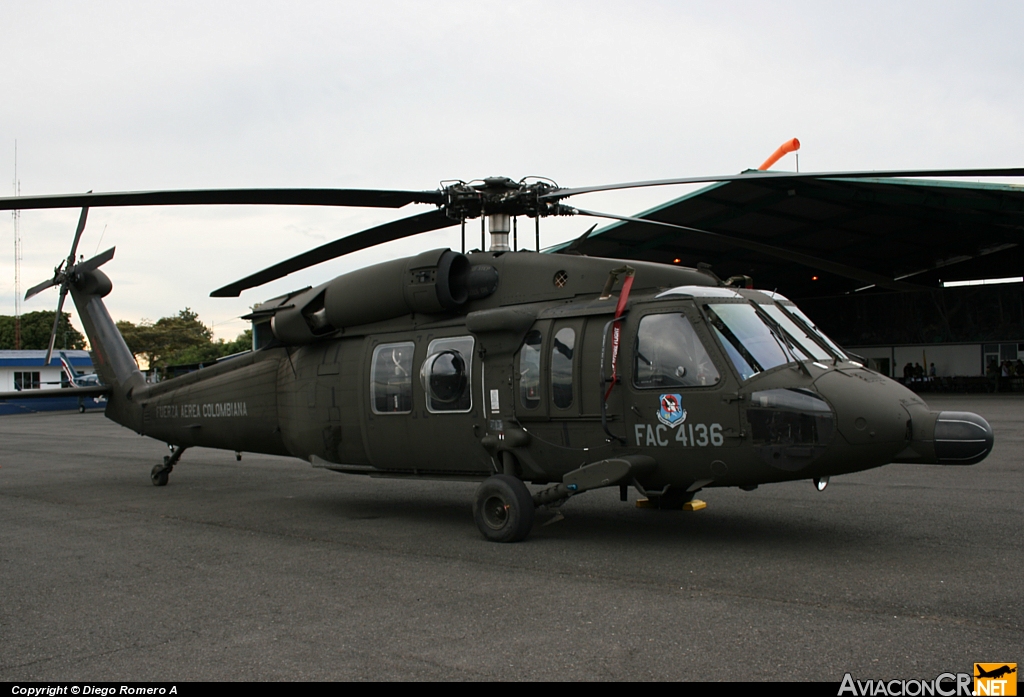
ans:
x=799 y=334
x=798 y=313
x=759 y=336
x=804 y=324
x=751 y=343
x=758 y=330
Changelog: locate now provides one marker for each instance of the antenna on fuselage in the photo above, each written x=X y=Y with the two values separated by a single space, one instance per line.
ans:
x=16 y=215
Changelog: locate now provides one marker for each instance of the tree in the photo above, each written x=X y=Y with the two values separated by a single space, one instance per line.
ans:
x=35 y=331
x=178 y=340
x=211 y=351
x=158 y=342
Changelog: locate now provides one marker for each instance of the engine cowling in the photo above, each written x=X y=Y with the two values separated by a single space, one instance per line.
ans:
x=432 y=282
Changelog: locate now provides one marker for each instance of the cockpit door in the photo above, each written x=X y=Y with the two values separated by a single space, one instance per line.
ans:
x=678 y=385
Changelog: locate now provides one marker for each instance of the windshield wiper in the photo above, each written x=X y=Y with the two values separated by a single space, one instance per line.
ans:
x=780 y=336
x=814 y=334
x=737 y=345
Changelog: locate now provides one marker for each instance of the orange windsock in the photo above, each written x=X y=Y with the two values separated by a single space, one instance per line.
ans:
x=784 y=149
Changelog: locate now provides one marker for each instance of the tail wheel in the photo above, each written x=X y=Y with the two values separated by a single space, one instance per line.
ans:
x=503 y=509
x=160 y=474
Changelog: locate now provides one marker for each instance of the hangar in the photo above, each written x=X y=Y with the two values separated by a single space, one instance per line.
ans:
x=871 y=260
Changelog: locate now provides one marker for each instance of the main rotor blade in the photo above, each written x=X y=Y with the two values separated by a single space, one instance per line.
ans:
x=755 y=175
x=367 y=198
x=78 y=236
x=576 y=243
x=805 y=259
x=395 y=230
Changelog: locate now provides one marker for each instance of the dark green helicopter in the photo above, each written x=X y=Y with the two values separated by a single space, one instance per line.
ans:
x=506 y=367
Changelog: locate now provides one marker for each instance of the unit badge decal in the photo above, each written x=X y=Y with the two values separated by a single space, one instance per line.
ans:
x=671 y=412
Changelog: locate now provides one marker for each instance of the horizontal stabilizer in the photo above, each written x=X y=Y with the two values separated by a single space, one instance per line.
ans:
x=94 y=391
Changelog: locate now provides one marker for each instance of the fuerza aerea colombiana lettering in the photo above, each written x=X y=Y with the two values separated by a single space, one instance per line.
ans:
x=193 y=411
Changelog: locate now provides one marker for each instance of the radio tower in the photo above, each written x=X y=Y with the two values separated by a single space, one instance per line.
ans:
x=17 y=257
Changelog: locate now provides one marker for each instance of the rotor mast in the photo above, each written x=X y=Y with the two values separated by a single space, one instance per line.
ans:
x=498 y=224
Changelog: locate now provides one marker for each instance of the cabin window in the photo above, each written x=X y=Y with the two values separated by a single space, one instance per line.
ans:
x=561 y=367
x=26 y=381
x=529 y=370
x=670 y=354
x=447 y=375
x=391 y=378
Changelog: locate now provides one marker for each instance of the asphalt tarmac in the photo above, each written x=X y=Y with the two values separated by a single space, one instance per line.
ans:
x=267 y=569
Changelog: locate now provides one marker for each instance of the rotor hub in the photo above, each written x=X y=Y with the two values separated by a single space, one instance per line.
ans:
x=500 y=195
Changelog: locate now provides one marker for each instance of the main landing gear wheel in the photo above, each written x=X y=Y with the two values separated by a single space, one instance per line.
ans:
x=160 y=474
x=503 y=509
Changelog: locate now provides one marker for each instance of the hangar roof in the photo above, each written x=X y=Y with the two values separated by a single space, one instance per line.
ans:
x=918 y=232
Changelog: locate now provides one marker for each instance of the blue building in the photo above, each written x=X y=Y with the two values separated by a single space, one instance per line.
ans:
x=22 y=371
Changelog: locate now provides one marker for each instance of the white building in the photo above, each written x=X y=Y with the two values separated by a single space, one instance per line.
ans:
x=24 y=370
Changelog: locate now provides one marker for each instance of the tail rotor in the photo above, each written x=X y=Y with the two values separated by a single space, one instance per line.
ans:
x=66 y=274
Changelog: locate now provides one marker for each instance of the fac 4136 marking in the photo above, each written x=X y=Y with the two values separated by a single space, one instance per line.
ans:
x=689 y=435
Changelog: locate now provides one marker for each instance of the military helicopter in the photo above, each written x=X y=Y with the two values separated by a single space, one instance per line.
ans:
x=507 y=367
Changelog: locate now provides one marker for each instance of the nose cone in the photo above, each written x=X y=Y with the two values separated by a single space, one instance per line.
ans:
x=962 y=438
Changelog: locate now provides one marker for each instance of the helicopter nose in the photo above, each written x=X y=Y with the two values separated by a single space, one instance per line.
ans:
x=880 y=418
x=868 y=409
x=962 y=438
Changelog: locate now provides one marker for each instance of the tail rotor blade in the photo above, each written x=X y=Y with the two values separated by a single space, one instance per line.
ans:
x=78 y=235
x=36 y=290
x=56 y=324
x=97 y=261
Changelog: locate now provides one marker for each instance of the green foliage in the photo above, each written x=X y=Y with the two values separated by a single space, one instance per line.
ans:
x=178 y=340
x=212 y=351
x=35 y=331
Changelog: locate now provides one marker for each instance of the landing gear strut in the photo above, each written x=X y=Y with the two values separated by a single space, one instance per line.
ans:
x=160 y=473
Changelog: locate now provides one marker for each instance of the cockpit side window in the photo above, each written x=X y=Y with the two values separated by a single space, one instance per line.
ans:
x=529 y=370
x=391 y=378
x=670 y=354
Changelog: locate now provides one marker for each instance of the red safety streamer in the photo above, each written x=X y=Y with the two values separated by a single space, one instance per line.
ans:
x=617 y=330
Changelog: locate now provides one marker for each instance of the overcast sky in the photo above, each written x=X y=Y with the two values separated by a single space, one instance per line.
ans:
x=119 y=96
